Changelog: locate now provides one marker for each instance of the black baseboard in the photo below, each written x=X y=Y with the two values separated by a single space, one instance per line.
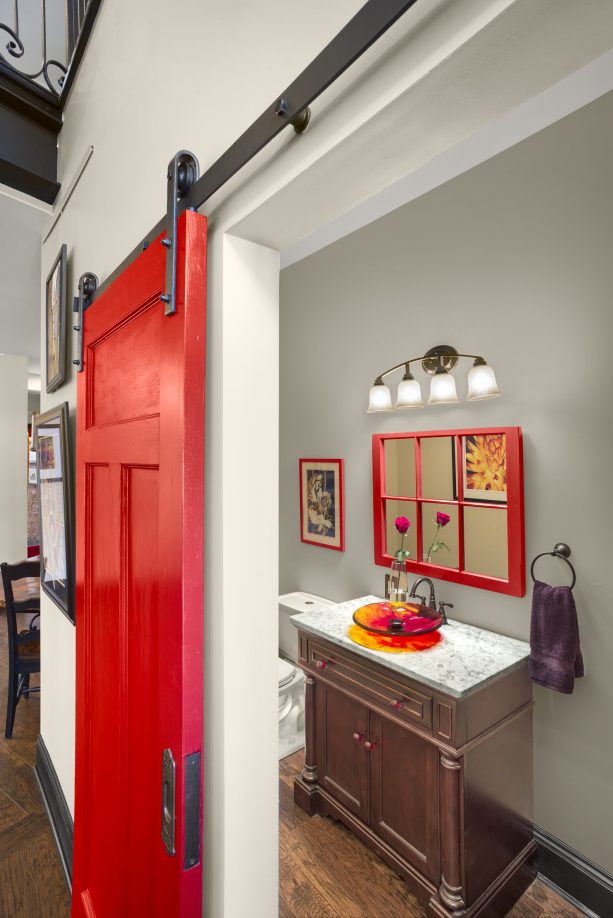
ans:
x=584 y=883
x=56 y=806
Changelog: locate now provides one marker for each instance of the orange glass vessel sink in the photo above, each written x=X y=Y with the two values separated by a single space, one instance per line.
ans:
x=397 y=618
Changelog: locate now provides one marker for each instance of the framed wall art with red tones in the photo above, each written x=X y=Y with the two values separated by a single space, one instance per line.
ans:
x=462 y=491
x=322 y=512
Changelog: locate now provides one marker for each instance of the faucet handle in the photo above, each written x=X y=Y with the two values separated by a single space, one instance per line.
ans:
x=441 y=608
x=422 y=599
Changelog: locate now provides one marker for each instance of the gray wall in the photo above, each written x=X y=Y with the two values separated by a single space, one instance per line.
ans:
x=512 y=260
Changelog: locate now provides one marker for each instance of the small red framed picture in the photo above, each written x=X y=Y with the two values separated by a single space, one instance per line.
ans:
x=322 y=519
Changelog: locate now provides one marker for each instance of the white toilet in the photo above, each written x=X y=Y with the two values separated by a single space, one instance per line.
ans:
x=291 y=677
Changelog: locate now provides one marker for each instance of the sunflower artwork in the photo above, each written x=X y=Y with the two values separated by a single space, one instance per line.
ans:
x=485 y=468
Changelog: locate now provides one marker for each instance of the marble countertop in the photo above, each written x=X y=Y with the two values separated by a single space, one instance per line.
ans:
x=466 y=659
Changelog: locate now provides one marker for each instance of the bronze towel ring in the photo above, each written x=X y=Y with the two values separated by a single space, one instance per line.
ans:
x=562 y=551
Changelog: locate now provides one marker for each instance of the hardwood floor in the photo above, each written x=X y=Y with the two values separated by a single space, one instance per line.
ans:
x=326 y=872
x=32 y=883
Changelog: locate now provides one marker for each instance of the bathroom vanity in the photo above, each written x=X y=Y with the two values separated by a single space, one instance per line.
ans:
x=425 y=756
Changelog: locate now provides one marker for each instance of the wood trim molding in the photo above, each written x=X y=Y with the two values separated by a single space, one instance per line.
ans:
x=57 y=809
x=573 y=875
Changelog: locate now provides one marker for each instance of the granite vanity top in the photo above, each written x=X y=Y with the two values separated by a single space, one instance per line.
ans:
x=466 y=659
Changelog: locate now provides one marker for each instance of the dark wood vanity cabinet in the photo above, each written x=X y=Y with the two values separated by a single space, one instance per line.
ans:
x=439 y=787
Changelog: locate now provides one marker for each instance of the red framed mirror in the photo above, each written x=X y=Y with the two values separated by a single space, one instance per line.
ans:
x=462 y=491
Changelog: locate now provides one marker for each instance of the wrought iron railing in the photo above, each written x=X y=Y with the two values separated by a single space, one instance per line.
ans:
x=38 y=40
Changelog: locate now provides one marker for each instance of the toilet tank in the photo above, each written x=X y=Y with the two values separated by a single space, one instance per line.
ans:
x=291 y=604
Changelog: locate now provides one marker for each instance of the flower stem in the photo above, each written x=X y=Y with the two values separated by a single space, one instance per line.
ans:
x=432 y=543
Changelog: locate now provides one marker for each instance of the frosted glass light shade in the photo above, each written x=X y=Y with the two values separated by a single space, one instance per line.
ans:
x=482 y=383
x=442 y=389
x=409 y=394
x=379 y=398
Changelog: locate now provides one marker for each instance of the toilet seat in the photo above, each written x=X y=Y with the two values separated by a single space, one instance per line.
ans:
x=286 y=672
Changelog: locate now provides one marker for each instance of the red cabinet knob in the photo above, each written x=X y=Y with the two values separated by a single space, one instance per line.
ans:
x=395 y=703
x=358 y=737
x=368 y=745
x=321 y=664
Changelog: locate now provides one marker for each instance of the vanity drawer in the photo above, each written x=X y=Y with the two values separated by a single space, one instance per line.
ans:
x=368 y=683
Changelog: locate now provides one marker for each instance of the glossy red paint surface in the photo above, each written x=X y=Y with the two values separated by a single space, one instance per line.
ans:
x=515 y=584
x=140 y=470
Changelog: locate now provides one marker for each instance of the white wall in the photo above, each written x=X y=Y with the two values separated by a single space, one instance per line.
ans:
x=13 y=457
x=511 y=260
x=148 y=87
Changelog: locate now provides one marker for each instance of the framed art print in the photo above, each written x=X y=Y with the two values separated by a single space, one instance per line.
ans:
x=484 y=468
x=55 y=311
x=321 y=503
x=55 y=508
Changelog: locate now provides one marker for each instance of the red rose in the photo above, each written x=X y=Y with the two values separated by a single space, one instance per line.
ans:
x=442 y=519
x=402 y=524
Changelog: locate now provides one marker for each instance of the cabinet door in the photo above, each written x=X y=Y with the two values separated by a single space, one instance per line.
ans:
x=404 y=793
x=342 y=759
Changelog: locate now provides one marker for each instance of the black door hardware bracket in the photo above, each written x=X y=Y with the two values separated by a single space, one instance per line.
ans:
x=183 y=171
x=88 y=284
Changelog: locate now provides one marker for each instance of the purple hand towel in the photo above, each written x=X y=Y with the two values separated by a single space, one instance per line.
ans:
x=555 y=653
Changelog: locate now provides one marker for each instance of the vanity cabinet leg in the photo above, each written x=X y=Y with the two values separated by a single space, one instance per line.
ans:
x=306 y=791
x=451 y=891
x=309 y=772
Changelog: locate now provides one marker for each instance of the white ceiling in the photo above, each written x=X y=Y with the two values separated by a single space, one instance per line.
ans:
x=21 y=223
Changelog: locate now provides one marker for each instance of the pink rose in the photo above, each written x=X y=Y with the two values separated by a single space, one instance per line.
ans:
x=402 y=524
x=442 y=519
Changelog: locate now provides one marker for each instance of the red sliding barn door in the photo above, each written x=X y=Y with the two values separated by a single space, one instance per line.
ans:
x=140 y=433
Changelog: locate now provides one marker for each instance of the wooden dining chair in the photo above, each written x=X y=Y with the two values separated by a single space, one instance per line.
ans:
x=24 y=645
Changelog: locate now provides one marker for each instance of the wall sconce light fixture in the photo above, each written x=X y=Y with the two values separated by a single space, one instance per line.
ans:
x=438 y=363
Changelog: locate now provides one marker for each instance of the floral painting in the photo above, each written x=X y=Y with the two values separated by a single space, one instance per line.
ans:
x=55 y=293
x=321 y=502
x=485 y=467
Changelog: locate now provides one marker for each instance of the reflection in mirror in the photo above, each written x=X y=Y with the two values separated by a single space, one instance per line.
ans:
x=400 y=467
x=447 y=534
x=438 y=468
x=394 y=508
x=485 y=541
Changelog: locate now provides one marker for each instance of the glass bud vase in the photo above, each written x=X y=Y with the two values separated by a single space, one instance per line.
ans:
x=398 y=582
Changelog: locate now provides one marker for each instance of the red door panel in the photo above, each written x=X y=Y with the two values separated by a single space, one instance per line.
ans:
x=140 y=429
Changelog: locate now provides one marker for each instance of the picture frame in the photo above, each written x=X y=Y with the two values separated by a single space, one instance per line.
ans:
x=55 y=312
x=54 y=469
x=484 y=468
x=322 y=511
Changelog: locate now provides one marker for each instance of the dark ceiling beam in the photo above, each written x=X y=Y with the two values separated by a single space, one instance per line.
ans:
x=29 y=125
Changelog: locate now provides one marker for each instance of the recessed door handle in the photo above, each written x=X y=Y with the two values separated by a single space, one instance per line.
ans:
x=168 y=801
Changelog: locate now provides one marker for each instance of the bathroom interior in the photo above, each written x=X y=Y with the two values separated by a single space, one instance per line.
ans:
x=509 y=262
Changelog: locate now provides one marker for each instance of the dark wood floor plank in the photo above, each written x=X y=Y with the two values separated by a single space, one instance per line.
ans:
x=17 y=782
x=298 y=897
x=291 y=816
x=30 y=885
x=358 y=872
x=22 y=833
x=552 y=905
x=10 y=813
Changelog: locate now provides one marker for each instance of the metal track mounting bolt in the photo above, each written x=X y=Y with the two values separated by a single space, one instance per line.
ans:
x=300 y=121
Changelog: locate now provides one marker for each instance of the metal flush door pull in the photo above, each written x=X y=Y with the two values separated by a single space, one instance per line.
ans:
x=168 y=801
